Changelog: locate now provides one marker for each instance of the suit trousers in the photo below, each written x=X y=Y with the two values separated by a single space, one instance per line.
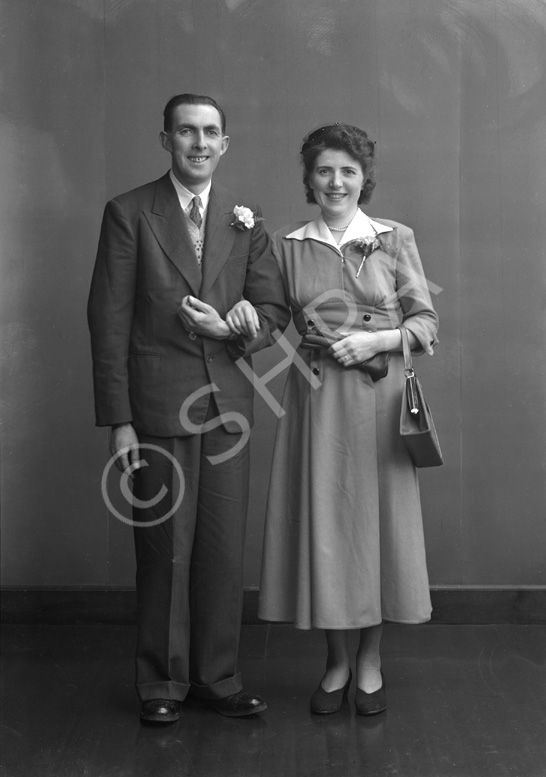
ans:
x=189 y=566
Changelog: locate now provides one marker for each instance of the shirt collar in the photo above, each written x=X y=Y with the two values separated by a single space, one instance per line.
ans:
x=185 y=196
x=360 y=226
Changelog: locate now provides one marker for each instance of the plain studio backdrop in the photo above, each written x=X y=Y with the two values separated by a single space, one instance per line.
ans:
x=454 y=93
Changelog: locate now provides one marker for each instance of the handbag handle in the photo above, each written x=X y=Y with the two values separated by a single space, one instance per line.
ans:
x=408 y=362
x=411 y=380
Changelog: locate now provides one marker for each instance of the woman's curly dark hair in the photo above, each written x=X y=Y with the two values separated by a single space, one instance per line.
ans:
x=342 y=137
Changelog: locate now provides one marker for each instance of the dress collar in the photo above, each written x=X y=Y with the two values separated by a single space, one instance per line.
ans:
x=360 y=226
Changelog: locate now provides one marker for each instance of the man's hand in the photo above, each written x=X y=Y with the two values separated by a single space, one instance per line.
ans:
x=203 y=319
x=243 y=319
x=124 y=436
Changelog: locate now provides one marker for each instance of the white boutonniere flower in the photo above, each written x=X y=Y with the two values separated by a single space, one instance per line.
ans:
x=244 y=218
x=365 y=246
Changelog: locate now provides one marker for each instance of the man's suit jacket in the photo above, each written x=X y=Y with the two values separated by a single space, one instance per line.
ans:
x=145 y=363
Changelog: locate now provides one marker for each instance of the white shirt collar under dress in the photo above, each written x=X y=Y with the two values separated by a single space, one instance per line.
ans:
x=360 y=226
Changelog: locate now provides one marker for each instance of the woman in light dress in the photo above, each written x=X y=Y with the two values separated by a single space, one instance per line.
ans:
x=344 y=544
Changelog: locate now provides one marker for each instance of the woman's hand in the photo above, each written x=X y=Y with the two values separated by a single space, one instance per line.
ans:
x=203 y=319
x=243 y=319
x=356 y=348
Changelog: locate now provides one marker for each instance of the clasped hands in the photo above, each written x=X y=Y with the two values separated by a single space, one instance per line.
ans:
x=356 y=348
x=203 y=319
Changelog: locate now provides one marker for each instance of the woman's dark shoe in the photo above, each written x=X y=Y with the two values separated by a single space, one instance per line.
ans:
x=160 y=710
x=326 y=702
x=371 y=703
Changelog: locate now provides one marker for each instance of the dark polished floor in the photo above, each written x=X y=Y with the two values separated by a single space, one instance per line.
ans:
x=464 y=701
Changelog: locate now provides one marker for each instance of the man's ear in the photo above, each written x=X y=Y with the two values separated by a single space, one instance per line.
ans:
x=165 y=140
x=225 y=144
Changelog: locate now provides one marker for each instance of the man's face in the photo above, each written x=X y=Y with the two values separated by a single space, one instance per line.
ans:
x=196 y=143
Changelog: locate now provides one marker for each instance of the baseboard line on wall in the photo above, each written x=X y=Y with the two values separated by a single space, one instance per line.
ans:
x=471 y=605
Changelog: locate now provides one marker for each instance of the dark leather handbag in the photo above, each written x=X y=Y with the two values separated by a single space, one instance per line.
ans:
x=416 y=424
x=316 y=339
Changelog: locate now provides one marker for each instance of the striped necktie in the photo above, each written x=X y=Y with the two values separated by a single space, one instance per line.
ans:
x=195 y=213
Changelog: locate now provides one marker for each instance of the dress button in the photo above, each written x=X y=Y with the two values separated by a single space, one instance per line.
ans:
x=366 y=317
x=316 y=371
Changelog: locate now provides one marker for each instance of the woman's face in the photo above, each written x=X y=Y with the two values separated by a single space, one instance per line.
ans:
x=337 y=181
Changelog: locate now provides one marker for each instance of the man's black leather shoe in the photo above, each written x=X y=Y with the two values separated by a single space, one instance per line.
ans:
x=238 y=705
x=160 y=710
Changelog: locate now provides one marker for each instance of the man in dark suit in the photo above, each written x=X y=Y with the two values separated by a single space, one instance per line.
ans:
x=185 y=283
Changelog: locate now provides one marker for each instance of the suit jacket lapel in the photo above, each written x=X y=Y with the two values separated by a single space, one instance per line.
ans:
x=219 y=237
x=169 y=227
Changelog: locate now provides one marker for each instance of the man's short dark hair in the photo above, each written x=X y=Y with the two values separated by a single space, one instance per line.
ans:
x=189 y=99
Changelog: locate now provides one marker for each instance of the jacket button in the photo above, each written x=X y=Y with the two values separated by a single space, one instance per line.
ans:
x=210 y=358
x=366 y=317
x=192 y=336
x=316 y=371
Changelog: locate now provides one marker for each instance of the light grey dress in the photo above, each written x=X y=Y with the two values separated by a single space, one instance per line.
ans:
x=343 y=544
